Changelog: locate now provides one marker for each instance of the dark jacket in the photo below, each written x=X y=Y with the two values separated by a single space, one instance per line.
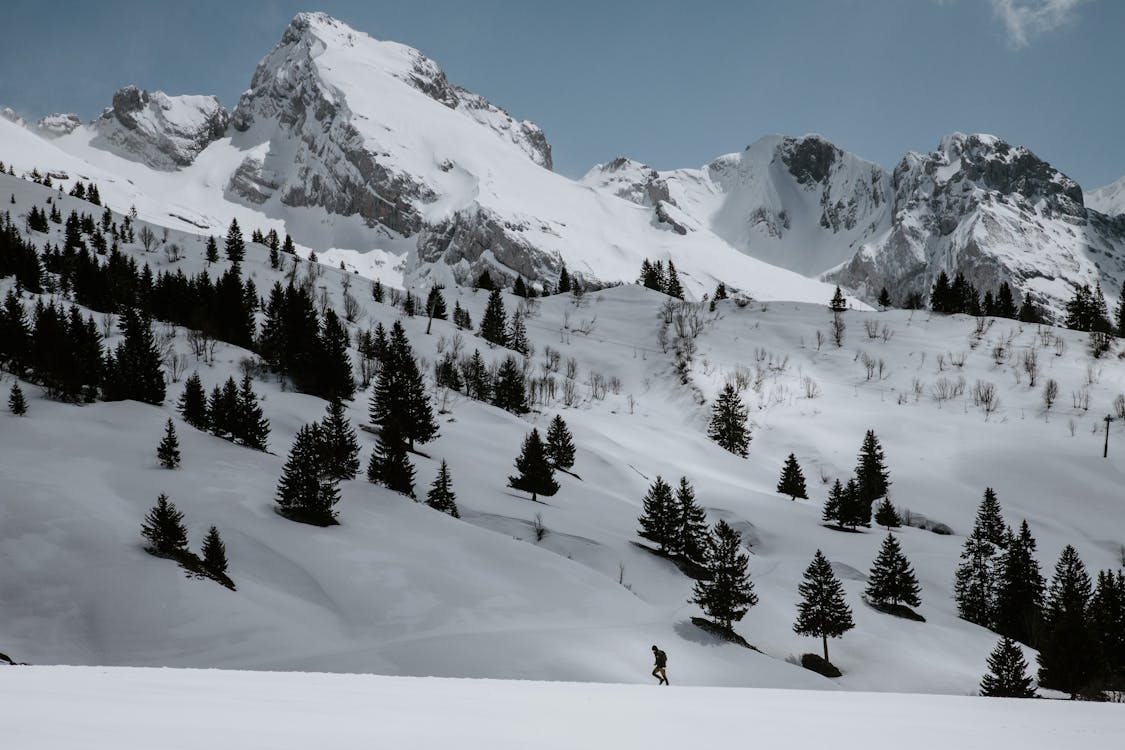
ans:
x=661 y=659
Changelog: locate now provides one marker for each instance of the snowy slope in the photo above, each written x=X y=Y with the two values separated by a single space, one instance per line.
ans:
x=279 y=711
x=400 y=589
x=1109 y=200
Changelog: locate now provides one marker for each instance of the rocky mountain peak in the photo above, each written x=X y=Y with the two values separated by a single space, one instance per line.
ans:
x=56 y=126
x=809 y=158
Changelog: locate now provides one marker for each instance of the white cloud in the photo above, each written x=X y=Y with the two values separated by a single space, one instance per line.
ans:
x=1026 y=19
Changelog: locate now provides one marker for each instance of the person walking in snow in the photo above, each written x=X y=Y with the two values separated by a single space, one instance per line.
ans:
x=661 y=663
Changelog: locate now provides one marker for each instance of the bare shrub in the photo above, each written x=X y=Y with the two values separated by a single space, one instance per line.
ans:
x=984 y=397
x=1050 y=393
x=571 y=368
x=538 y=527
x=1029 y=362
x=810 y=387
x=353 y=312
x=202 y=345
x=1119 y=408
x=147 y=238
x=173 y=252
x=1081 y=399
x=871 y=328
x=570 y=392
x=837 y=329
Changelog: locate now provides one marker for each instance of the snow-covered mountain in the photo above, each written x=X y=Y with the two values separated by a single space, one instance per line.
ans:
x=1109 y=200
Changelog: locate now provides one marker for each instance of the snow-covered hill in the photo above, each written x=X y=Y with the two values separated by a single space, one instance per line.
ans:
x=1110 y=200
x=400 y=589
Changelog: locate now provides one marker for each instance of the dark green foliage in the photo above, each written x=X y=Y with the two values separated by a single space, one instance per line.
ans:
x=519 y=288
x=169 y=449
x=441 y=497
x=509 y=391
x=1119 y=314
x=222 y=410
x=892 y=580
x=975 y=582
x=659 y=517
x=494 y=324
x=409 y=305
x=250 y=427
x=335 y=381
x=1106 y=616
x=1007 y=673
x=1019 y=589
x=389 y=464
x=211 y=253
x=839 y=303
x=16 y=401
x=871 y=475
x=1005 y=306
x=400 y=402
x=15 y=335
x=535 y=472
x=461 y=317
x=304 y=492
x=517 y=335
x=672 y=285
x=134 y=370
x=1029 y=312
x=193 y=403
x=832 y=505
x=560 y=444
x=564 y=281
x=447 y=374
x=235 y=247
x=690 y=529
x=884 y=298
x=1067 y=654
x=478 y=382
x=163 y=529
x=886 y=515
x=728 y=593
x=728 y=423
x=64 y=352
x=214 y=553
x=435 y=303
x=822 y=611
x=1086 y=310
x=854 y=511
x=377 y=291
x=652 y=275
x=792 y=480
x=339 y=447
x=989 y=523
x=484 y=281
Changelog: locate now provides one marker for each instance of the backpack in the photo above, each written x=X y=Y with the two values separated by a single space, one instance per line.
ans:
x=662 y=658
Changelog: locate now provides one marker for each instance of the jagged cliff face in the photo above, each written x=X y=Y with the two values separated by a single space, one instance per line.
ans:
x=165 y=132
x=56 y=126
x=995 y=213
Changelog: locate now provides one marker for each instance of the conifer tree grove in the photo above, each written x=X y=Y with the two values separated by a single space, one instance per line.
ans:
x=16 y=401
x=508 y=392
x=389 y=465
x=822 y=611
x=854 y=510
x=214 y=553
x=193 y=403
x=134 y=370
x=884 y=298
x=461 y=317
x=728 y=423
x=435 y=304
x=690 y=528
x=304 y=493
x=441 y=497
x=1067 y=657
x=335 y=380
x=672 y=285
x=163 y=529
x=494 y=324
x=1007 y=673
x=560 y=444
x=658 y=515
x=535 y=472
x=792 y=480
x=1019 y=589
x=1106 y=616
x=728 y=593
x=339 y=445
x=169 y=449
x=892 y=580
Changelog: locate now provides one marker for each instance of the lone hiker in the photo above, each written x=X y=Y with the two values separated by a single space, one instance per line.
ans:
x=661 y=663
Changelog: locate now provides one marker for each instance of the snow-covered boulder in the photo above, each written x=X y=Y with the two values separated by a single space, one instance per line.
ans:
x=56 y=126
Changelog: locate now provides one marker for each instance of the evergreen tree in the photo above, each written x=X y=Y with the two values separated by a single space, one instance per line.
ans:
x=832 y=506
x=435 y=303
x=441 y=497
x=691 y=536
x=250 y=426
x=389 y=464
x=854 y=510
x=339 y=446
x=792 y=480
x=560 y=444
x=446 y=373
x=839 y=303
x=1005 y=304
x=989 y=522
x=891 y=579
x=1029 y=313
x=886 y=515
x=163 y=529
x=1119 y=313
x=940 y=294
x=1019 y=589
x=517 y=335
x=169 y=449
x=484 y=281
x=305 y=493
x=1007 y=673
x=1107 y=628
x=377 y=292
x=652 y=275
x=133 y=372
x=974 y=586
x=478 y=382
x=409 y=305
x=519 y=288
x=728 y=593
x=214 y=554
x=235 y=247
x=336 y=380
x=16 y=402
x=223 y=411
x=400 y=401
x=461 y=317
x=509 y=392
x=211 y=253
x=672 y=285
x=728 y=423
x=564 y=281
x=659 y=517
x=494 y=324
x=193 y=403
x=884 y=298
x=1066 y=653
x=871 y=475
x=822 y=611
x=535 y=473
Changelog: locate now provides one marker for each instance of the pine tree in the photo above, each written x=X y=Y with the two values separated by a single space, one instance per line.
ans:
x=435 y=303
x=652 y=275
x=400 y=401
x=792 y=480
x=508 y=392
x=822 y=611
x=223 y=411
x=484 y=281
x=891 y=579
x=1029 y=313
x=940 y=294
x=494 y=324
x=535 y=473
x=560 y=444
x=1066 y=651
x=16 y=402
x=164 y=530
x=989 y=522
x=884 y=298
x=1119 y=313
x=1106 y=616
x=1007 y=673
x=461 y=317
x=728 y=593
x=854 y=510
x=304 y=493
x=839 y=303
x=728 y=423
x=832 y=506
x=564 y=281
x=389 y=464
x=214 y=554
x=441 y=497
x=338 y=444
x=193 y=403
x=409 y=306
x=974 y=584
x=235 y=247
x=211 y=252
x=886 y=515
x=691 y=524
x=1019 y=589
x=672 y=285
x=134 y=371
x=335 y=378
x=872 y=477
x=250 y=426
x=478 y=383
x=519 y=288
x=377 y=292
x=517 y=335
x=659 y=517
x=169 y=449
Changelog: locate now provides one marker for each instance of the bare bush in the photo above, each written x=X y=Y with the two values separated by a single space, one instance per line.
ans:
x=1050 y=393
x=202 y=345
x=810 y=387
x=147 y=238
x=1119 y=406
x=570 y=392
x=985 y=398
x=871 y=328
x=173 y=252
x=538 y=527
x=1029 y=362
x=571 y=368
x=957 y=360
x=1081 y=399
x=837 y=329
x=353 y=312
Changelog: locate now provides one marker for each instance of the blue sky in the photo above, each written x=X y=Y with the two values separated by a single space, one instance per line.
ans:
x=670 y=83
